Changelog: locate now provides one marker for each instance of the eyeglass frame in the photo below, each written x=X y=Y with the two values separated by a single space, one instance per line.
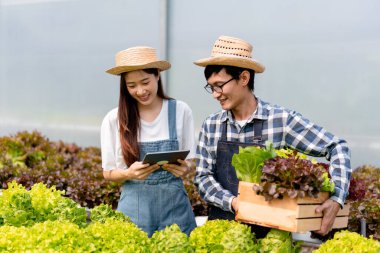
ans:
x=212 y=87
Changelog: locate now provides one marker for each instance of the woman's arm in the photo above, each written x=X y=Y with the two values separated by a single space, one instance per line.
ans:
x=137 y=171
x=116 y=175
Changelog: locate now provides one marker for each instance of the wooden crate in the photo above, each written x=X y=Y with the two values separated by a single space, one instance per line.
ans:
x=293 y=215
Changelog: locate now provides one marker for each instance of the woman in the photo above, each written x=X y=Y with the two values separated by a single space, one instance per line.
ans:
x=146 y=120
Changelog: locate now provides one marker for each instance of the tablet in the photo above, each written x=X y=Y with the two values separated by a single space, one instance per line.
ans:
x=165 y=157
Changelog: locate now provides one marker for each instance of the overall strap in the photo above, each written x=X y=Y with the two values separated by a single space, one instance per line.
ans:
x=172 y=113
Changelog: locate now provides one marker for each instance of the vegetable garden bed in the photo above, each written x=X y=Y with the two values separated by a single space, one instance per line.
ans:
x=30 y=158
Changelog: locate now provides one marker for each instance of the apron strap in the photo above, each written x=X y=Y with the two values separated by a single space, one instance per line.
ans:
x=224 y=131
x=172 y=113
x=257 y=128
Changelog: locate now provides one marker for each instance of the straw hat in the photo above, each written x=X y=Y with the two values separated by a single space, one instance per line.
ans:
x=136 y=58
x=231 y=51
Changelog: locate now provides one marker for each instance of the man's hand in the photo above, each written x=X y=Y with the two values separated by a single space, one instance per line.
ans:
x=235 y=204
x=329 y=209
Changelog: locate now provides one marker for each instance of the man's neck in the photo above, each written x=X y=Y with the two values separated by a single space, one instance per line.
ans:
x=246 y=108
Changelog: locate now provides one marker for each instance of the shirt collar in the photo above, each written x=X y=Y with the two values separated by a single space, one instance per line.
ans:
x=261 y=112
x=262 y=109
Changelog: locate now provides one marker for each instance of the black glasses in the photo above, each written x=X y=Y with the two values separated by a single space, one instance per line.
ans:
x=218 y=89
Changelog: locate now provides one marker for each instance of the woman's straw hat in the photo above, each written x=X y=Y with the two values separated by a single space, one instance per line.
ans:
x=229 y=51
x=136 y=58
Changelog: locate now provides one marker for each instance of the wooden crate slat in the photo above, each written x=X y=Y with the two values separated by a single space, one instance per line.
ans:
x=267 y=216
x=286 y=214
x=305 y=225
x=308 y=211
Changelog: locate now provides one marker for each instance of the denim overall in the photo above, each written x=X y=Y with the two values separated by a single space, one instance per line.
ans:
x=225 y=173
x=161 y=199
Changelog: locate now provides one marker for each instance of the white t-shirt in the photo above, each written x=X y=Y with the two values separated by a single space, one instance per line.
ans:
x=112 y=157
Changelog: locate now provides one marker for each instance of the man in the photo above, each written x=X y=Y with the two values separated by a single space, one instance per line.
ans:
x=246 y=120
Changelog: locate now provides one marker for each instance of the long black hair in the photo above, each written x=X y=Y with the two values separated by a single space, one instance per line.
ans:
x=129 y=118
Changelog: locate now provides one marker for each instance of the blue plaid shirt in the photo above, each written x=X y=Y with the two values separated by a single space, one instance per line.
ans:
x=282 y=127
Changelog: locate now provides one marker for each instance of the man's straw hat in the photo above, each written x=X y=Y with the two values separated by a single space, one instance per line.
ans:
x=137 y=58
x=229 y=51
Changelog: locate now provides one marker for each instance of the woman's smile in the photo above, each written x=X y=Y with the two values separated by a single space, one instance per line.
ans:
x=144 y=98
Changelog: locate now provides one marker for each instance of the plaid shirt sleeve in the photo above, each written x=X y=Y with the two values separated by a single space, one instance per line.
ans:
x=309 y=138
x=210 y=190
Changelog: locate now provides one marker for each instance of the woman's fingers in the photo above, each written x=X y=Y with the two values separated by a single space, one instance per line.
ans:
x=177 y=170
x=141 y=171
x=148 y=170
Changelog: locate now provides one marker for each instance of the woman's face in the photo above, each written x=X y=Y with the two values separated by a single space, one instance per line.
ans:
x=142 y=86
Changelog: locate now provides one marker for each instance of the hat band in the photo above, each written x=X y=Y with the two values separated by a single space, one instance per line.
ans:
x=229 y=55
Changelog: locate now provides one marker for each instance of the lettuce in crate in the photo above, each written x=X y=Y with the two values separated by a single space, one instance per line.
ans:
x=250 y=160
x=294 y=177
x=281 y=172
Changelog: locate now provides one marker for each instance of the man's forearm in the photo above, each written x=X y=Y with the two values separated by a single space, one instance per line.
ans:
x=212 y=192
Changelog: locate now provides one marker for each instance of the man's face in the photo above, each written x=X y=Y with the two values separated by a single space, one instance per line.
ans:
x=231 y=92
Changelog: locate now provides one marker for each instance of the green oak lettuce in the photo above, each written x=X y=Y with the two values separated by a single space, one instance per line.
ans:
x=65 y=236
x=223 y=236
x=103 y=212
x=278 y=241
x=170 y=240
x=20 y=207
x=116 y=236
x=345 y=241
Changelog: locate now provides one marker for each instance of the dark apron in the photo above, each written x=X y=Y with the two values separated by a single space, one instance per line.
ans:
x=225 y=173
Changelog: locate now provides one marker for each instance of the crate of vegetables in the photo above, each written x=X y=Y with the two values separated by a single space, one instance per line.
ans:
x=282 y=188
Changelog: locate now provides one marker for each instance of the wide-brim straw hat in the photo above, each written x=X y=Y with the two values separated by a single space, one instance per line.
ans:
x=137 y=58
x=230 y=51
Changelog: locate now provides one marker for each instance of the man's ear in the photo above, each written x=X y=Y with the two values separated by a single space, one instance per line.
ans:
x=244 y=77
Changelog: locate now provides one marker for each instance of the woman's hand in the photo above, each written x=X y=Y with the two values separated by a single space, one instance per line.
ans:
x=140 y=171
x=180 y=170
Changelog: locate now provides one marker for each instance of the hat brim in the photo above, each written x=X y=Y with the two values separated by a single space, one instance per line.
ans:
x=161 y=65
x=230 y=61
